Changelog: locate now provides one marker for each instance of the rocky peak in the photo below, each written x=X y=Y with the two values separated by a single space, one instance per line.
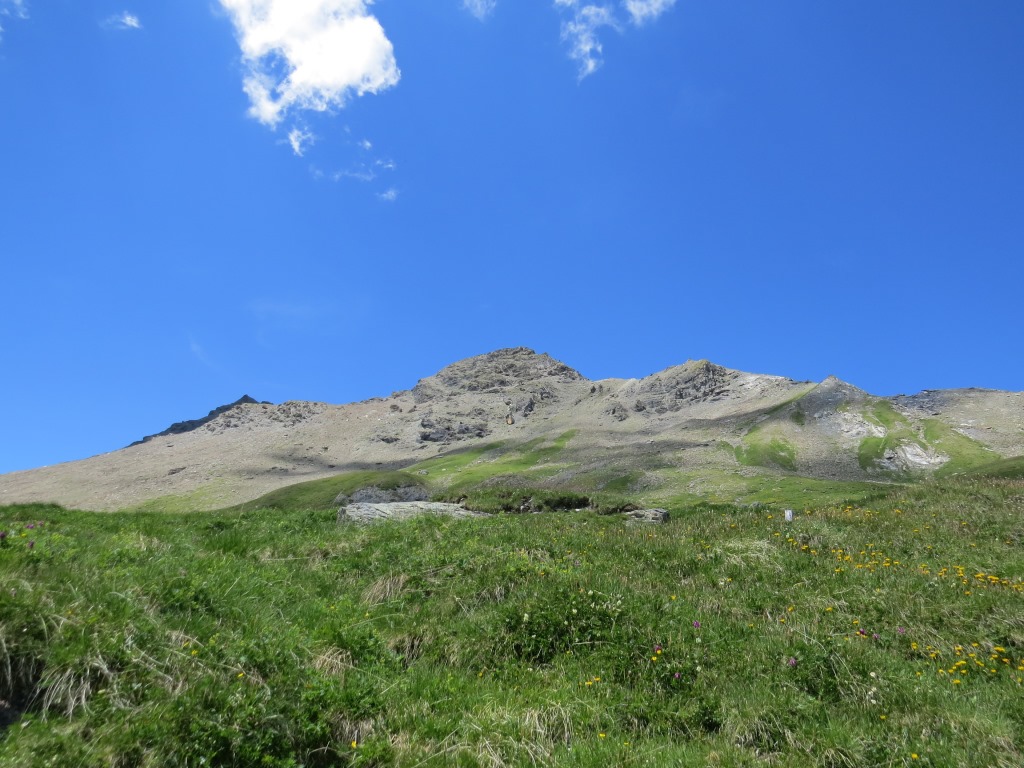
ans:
x=179 y=427
x=681 y=385
x=494 y=372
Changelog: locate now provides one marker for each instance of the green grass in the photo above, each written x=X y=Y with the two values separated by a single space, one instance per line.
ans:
x=857 y=635
x=884 y=415
x=203 y=497
x=898 y=430
x=873 y=449
x=759 y=451
x=1006 y=468
x=775 y=488
x=964 y=453
x=535 y=459
x=622 y=483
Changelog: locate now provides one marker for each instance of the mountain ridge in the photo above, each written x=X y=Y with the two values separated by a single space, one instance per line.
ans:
x=692 y=430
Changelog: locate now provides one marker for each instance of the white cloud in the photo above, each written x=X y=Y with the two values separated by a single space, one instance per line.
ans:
x=300 y=138
x=389 y=196
x=15 y=9
x=366 y=144
x=642 y=11
x=309 y=54
x=580 y=32
x=480 y=8
x=123 y=20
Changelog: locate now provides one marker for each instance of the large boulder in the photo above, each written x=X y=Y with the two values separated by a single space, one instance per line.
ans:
x=646 y=516
x=373 y=494
x=400 y=510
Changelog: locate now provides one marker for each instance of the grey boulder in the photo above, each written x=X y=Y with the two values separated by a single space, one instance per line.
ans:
x=362 y=512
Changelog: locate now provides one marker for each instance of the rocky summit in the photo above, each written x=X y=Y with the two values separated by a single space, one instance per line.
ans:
x=693 y=431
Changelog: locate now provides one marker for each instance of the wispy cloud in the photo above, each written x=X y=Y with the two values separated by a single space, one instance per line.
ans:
x=309 y=54
x=123 y=21
x=480 y=8
x=389 y=196
x=642 y=11
x=14 y=9
x=300 y=139
x=586 y=19
x=199 y=353
x=580 y=32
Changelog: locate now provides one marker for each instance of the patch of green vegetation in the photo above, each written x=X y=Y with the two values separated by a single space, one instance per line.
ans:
x=279 y=638
x=1012 y=468
x=774 y=488
x=468 y=468
x=806 y=492
x=872 y=450
x=766 y=453
x=457 y=460
x=964 y=453
x=320 y=494
x=623 y=483
x=898 y=430
x=505 y=499
x=204 y=497
x=798 y=417
x=883 y=414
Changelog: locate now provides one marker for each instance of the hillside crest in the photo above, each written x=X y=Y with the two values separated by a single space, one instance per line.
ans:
x=692 y=431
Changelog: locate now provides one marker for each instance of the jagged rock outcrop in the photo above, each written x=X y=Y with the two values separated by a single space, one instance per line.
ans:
x=180 y=427
x=447 y=430
x=495 y=372
x=675 y=387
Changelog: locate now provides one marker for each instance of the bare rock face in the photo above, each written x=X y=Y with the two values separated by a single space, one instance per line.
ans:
x=400 y=510
x=180 y=427
x=910 y=457
x=675 y=388
x=447 y=430
x=494 y=373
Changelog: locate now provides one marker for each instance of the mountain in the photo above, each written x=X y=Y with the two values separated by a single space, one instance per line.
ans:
x=696 y=430
x=187 y=426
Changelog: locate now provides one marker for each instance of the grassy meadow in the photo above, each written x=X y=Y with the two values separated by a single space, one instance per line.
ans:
x=882 y=632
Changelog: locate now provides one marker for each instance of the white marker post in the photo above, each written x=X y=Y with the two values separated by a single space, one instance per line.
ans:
x=789 y=515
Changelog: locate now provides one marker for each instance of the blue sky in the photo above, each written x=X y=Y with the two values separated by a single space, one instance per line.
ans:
x=328 y=199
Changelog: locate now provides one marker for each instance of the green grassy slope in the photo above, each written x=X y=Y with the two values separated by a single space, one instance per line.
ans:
x=881 y=635
x=1007 y=468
